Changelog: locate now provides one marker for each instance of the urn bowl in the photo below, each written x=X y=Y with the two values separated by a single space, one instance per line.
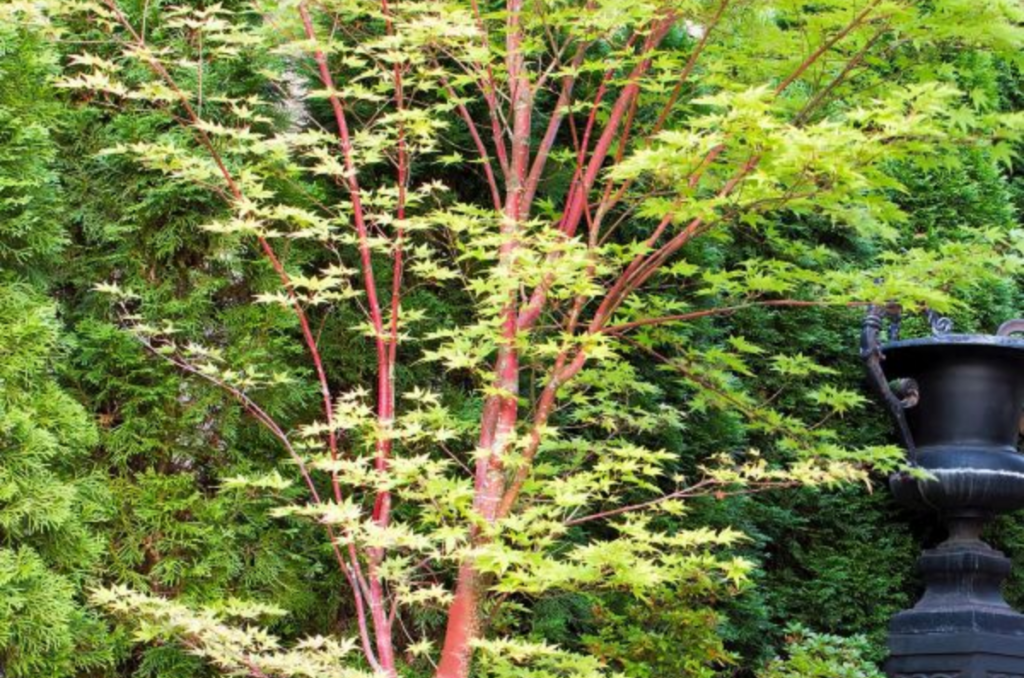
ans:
x=966 y=421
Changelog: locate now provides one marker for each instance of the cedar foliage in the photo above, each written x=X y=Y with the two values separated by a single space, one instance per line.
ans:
x=53 y=500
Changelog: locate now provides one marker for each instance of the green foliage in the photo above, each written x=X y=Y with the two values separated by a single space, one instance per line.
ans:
x=221 y=636
x=29 y=116
x=835 y=548
x=819 y=655
x=138 y=503
x=170 y=447
x=51 y=502
x=808 y=179
x=627 y=551
x=673 y=632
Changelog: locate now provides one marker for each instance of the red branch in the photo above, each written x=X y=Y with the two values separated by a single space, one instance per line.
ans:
x=385 y=372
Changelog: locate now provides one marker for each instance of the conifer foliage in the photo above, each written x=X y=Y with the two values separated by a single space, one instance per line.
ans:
x=49 y=503
x=50 y=499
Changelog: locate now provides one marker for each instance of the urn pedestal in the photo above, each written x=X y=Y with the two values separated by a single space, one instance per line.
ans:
x=957 y=400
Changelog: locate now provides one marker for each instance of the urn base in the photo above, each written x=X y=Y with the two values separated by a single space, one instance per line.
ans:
x=967 y=654
x=962 y=627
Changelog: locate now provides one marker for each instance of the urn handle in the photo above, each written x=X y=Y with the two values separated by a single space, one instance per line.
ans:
x=1006 y=329
x=871 y=354
x=1011 y=327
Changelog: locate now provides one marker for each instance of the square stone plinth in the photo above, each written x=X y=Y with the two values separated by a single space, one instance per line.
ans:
x=956 y=655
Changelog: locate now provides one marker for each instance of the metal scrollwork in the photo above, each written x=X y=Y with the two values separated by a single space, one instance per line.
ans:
x=940 y=324
x=908 y=392
x=871 y=354
x=1008 y=328
x=894 y=313
x=1011 y=327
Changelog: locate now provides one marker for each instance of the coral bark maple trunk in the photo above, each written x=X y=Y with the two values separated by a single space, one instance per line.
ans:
x=498 y=420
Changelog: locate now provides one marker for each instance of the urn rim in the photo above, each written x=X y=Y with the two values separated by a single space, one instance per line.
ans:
x=993 y=340
x=905 y=357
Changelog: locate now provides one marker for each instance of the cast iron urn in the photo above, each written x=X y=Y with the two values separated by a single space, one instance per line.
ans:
x=957 y=401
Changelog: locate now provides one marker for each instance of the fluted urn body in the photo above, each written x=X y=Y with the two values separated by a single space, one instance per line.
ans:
x=957 y=401
x=965 y=423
